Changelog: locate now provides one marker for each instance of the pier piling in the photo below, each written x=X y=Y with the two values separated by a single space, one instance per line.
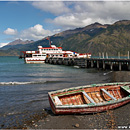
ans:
x=99 y=63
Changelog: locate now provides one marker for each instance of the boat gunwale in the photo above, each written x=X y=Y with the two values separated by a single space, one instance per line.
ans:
x=94 y=105
x=89 y=86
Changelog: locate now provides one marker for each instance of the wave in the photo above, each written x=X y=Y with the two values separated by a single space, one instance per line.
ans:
x=32 y=82
x=20 y=83
x=107 y=73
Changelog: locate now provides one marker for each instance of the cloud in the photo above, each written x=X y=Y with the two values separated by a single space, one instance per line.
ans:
x=84 y=13
x=73 y=14
x=103 y=10
x=36 y=32
x=10 y=31
x=77 y=20
x=56 y=31
x=54 y=7
x=3 y=44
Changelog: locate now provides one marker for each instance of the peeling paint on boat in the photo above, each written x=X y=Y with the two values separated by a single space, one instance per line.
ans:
x=90 y=98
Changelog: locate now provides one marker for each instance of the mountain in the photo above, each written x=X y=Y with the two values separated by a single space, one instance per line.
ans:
x=19 y=41
x=97 y=38
x=115 y=38
x=16 y=44
x=93 y=38
x=74 y=39
x=69 y=33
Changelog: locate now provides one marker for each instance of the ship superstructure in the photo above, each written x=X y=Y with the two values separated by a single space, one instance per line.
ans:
x=52 y=51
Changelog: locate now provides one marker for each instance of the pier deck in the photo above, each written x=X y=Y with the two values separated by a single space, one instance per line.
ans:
x=99 y=63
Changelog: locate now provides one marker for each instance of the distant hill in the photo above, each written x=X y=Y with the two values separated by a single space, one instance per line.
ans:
x=93 y=38
x=19 y=41
x=16 y=44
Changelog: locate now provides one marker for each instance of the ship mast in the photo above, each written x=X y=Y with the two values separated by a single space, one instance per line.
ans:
x=49 y=41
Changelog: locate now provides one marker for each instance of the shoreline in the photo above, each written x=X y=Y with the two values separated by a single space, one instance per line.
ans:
x=111 y=119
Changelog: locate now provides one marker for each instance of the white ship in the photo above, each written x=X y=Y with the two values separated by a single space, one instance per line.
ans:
x=52 y=51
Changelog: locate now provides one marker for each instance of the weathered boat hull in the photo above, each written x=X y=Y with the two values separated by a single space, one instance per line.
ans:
x=85 y=108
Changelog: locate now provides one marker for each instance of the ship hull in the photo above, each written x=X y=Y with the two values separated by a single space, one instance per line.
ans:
x=36 y=61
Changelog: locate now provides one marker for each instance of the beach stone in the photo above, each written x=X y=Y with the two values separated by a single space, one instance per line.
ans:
x=36 y=125
x=2 y=125
x=77 y=125
x=47 y=120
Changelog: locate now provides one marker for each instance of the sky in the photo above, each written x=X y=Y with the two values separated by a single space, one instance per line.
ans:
x=34 y=20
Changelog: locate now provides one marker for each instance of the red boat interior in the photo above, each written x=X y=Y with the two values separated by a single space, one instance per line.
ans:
x=90 y=95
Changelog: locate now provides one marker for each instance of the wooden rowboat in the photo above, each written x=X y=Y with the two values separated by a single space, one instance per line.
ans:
x=90 y=98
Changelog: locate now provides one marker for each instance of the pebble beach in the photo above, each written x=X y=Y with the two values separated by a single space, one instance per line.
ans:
x=118 y=118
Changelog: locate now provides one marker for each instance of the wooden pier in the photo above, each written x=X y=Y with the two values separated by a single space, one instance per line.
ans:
x=99 y=63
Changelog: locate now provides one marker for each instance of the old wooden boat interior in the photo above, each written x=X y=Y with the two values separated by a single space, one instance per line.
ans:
x=91 y=95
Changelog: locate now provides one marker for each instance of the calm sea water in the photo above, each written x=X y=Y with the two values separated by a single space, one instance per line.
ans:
x=24 y=87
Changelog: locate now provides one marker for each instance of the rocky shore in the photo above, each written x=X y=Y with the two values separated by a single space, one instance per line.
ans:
x=112 y=119
x=118 y=118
